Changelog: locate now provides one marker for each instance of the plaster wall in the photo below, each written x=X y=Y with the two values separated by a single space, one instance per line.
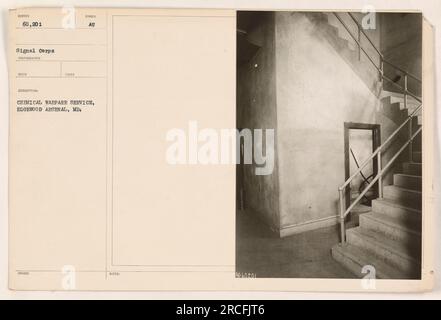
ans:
x=317 y=91
x=256 y=99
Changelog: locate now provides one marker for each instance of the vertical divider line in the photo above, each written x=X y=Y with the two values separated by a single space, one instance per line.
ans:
x=107 y=143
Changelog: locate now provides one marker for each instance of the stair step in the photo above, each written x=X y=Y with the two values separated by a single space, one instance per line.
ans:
x=389 y=251
x=403 y=229
x=341 y=44
x=342 y=32
x=416 y=124
x=355 y=258
x=330 y=29
x=417 y=120
x=386 y=93
x=399 y=103
x=393 y=112
x=411 y=106
x=355 y=213
x=395 y=210
x=417 y=156
x=399 y=97
x=333 y=31
x=404 y=114
x=412 y=168
x=407 y=181
x=397 y=113
x=405 y=197
x=317 y=17
x=417 y=141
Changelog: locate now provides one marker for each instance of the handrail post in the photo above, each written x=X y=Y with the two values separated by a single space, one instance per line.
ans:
x=410 y=138
x=405 y=91
x=380 y=174
x=381 y=68
x=359 y=43
x=342 y=215
x=410 y=121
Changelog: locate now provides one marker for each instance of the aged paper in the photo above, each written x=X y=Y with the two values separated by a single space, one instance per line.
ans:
x=94 y=205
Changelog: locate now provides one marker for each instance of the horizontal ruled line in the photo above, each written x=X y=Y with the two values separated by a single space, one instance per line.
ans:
x=42 y=60
x=54 y=77
x=61 y=44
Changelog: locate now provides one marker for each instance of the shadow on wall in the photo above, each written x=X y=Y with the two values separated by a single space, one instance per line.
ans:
x=256 y=108
x=292 y=78
x=401 y=44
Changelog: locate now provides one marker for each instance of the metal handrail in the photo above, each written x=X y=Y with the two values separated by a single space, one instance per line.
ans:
x=361 y=29
x=364 y=33
x=377 y=153
x=402 y=70
x=405 y=91
x=379 y=174
x=380 y=148
x=358 y=41
x=377 y=177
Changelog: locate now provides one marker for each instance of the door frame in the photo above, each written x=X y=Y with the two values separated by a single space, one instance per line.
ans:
x=376 y=142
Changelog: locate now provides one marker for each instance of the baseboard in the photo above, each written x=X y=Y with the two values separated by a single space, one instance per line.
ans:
x=308 y=226
x=261 y=217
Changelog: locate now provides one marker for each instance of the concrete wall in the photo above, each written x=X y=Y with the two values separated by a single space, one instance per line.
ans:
x=317 y=91
x=306 y=87
x=256 y=105
x=401 y=43
x=357 y=59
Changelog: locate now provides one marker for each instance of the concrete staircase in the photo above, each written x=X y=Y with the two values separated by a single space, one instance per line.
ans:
x=388 y=234
x=388 y=237
x=331 y=30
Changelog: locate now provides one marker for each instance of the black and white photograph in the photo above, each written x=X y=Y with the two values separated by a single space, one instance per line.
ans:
x=341 y=93
x=220 y=151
